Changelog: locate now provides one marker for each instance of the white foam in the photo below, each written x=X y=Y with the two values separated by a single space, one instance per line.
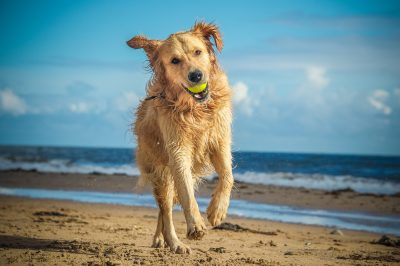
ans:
x=320 y=181
x=64 y=166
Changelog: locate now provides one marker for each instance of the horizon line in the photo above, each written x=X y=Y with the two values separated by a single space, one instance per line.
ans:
x=233 y=151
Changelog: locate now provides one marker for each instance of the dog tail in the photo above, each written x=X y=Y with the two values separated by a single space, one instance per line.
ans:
x=142 y=181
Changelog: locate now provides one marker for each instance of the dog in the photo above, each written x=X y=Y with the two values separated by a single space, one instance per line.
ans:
x=183 y=129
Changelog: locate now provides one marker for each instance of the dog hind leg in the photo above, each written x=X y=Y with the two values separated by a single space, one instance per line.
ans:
x=158 y=240
x=164 y=194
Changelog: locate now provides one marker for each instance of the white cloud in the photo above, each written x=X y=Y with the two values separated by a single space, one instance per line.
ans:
x=242 y=99
x=126 y=101
x=79 y=107
x=309 y=95
x=317 y=76
x=12 y=103
x=378 y=101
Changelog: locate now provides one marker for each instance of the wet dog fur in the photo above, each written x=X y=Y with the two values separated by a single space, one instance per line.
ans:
x=181 y=138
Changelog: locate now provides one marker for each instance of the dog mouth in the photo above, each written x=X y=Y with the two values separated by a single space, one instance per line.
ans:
x=199 y=95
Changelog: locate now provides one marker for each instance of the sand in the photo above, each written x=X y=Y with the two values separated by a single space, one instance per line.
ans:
x=50 y=232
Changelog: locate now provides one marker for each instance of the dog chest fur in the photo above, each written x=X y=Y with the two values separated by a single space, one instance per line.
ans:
x=200 y=132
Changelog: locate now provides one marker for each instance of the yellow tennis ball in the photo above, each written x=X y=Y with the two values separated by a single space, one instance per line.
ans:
x=198 y=88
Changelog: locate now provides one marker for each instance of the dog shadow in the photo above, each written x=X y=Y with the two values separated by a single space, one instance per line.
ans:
x=71 y=246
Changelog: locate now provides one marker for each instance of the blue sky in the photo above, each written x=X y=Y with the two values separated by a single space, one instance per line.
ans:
x=308 y=76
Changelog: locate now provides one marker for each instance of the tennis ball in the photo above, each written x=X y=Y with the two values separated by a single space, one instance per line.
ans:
x=198 y=88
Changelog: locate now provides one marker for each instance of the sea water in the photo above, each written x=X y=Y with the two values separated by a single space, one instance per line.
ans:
x=365 y=174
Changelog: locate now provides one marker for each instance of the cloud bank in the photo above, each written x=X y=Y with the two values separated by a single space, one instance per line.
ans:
x=242 y=98
x=378 y=100
x=11 y=103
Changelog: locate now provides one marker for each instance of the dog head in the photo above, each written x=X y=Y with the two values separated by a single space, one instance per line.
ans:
x=185 y=61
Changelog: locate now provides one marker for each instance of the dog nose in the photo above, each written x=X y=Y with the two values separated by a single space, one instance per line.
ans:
x=195 y=76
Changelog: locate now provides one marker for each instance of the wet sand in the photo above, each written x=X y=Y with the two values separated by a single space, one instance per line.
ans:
x=342 y=200
x=51 y=232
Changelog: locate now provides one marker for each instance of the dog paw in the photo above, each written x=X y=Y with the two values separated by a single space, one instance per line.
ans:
x=180 y=248
x=196 y=231
x=216 y=211
x=158 y=242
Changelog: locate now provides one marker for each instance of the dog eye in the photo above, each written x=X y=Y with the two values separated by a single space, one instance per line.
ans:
x=175 y=61
x=197 y=52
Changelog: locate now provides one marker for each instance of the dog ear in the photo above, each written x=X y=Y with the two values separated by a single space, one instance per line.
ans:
x=207 y=30
x=149 y=46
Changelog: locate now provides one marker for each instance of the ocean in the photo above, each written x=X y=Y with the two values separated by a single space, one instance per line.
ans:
x=364 y=174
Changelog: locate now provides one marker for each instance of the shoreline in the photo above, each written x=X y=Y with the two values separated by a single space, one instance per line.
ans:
x=357 y=221
x=339 y=200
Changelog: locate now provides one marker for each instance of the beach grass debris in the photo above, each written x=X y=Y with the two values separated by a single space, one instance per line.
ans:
x=237 y=228
x=49 y=213
x=387 y=241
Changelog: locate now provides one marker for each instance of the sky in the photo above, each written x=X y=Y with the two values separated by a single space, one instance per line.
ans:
x=307 y=76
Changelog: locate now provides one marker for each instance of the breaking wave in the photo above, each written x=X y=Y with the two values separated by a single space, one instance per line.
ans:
x=321 y=181
x=286 y=179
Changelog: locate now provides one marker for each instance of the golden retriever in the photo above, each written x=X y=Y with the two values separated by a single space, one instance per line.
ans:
x=182 y=135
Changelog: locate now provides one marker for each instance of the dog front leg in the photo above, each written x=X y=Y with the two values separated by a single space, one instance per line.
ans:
x=218 y=207
x=181 y=169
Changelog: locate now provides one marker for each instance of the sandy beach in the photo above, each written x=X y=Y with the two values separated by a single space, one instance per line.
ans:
x=51 y=232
